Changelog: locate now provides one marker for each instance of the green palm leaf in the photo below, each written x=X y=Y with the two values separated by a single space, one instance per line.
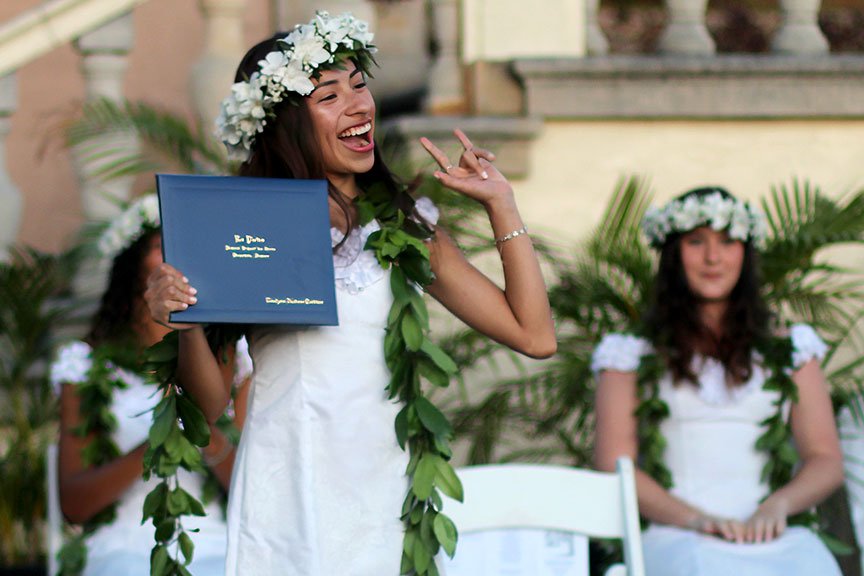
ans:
x=108 y=133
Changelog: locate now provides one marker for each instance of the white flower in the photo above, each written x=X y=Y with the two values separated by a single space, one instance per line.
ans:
x=308 y=47
x=322 y=41
x=713 y=209
x=141 y=215
x=739 y=228
x=619 y=352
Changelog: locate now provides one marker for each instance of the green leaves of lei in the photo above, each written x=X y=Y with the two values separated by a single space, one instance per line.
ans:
x=98 y=422
x=413 y=359
x=179 y=429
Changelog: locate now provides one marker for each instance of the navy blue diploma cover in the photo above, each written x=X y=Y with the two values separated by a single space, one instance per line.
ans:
x=257 y=250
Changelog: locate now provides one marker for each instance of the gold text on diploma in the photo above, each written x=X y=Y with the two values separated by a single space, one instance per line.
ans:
x=286 y=300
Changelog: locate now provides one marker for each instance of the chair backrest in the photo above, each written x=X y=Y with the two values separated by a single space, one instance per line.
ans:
x=54 y=524
x=595 y=504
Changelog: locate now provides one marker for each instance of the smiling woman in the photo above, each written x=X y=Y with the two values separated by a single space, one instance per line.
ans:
x=320 y=481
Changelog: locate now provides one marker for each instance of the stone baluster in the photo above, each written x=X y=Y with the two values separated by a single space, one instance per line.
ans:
x=799 y=33
x=686 y=32
x=104 y=61
x=595 y=42
x=445 y=79
x=224 y=46
x=10 y=196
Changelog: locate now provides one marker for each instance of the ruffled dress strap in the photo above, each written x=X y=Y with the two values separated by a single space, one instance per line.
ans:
x=71 y=365
x=619 y=352
x=355 y=269
x=806 y=345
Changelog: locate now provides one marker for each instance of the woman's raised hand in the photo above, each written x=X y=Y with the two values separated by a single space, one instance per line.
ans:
x=169 y=291
x=473 y=175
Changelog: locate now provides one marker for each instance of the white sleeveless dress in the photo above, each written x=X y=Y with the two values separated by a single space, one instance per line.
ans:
x=319 y=479
x=711 y=435
x=123 y=547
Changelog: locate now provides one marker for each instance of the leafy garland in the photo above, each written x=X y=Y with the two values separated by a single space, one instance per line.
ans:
x=412 y=359
x=775 y=442
x=98 y=422
x=179 y=429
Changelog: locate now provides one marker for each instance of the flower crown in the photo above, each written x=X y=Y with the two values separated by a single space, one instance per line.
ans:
x=311 y=48
x=738 y=218
x=140 y=217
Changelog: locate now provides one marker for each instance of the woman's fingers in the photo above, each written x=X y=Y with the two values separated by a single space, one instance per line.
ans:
x=469 y=159
x=168 y=291
x=436 y=154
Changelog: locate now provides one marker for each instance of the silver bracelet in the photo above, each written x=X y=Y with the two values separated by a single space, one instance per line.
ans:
x=511 y=235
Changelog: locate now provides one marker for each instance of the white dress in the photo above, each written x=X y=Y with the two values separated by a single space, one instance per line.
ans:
x=711 y=434
x=319 y=478
x=123 y=547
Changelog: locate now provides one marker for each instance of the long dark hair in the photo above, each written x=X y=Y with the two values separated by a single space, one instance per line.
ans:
x=114 y=321
x=675 y=328
x=288 y=148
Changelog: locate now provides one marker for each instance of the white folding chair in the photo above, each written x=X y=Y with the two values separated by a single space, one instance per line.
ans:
x=54 y=524
x=546 y=497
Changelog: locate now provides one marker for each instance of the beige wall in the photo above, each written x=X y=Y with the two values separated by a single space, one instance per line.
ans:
x=575 y=165
x=168 y=40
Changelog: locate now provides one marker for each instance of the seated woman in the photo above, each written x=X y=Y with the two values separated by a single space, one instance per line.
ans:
x=709 y=397
x=105 y=404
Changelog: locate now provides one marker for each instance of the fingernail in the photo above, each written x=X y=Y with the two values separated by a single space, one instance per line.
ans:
x=193 y=299
x=193 y=290
x=185 y=279
x=184 y=305
x=484 y=175
x=437 y=175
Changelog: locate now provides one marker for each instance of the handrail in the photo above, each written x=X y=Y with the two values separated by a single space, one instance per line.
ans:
x=52 y=24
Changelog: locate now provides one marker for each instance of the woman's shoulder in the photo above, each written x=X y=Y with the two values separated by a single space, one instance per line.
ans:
x=619 y=351
x=71 y=364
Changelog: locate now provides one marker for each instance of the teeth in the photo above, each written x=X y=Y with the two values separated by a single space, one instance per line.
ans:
x=356 y=130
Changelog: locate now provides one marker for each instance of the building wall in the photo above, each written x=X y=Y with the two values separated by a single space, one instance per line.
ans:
x=168 y=40
x=574 y=165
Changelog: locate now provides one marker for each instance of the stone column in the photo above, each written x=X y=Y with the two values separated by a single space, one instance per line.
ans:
x=224 y=46
x=800 y=33
x=595 y=41
x=686 y=32
x=446 y=93
x=104 y=60
x=10 y=196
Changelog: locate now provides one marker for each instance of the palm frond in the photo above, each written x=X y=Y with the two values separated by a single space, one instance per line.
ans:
x=108 y=135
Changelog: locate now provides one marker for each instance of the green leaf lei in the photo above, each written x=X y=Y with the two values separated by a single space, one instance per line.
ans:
x=98 y=422
x=178 y=430
x=412 y=359
x=775 y=442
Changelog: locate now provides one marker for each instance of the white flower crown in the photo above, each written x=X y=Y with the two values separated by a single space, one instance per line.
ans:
x=140 y=217
x=309 y=49
x=738 y=218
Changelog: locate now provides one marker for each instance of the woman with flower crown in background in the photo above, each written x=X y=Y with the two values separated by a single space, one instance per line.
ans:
x=709 y=397
x=105 y=403
x=320 y=477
